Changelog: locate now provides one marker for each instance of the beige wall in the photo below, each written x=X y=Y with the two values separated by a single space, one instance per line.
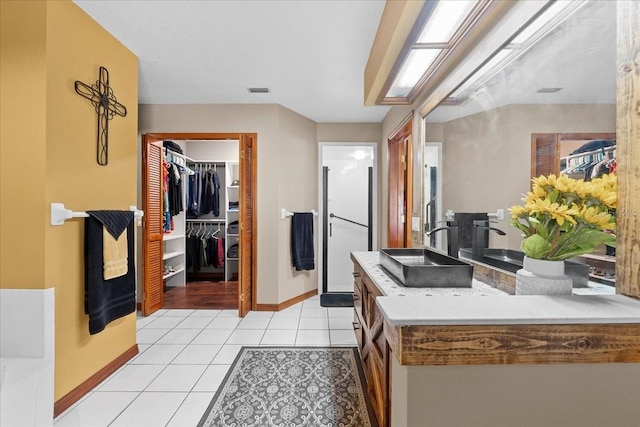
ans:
x=287 y=159
x=585 y=395
x=49 y=155
x=297 y=191
x=349 y=132
x=487 y=156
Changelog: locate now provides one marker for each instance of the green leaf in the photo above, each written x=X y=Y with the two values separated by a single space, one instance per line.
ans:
x=535 y=246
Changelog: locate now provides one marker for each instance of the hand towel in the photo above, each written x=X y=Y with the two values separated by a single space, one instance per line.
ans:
x=115 y=254
x=302 y=253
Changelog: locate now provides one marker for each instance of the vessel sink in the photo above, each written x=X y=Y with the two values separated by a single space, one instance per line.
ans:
x=512 y=260
x=425 y=268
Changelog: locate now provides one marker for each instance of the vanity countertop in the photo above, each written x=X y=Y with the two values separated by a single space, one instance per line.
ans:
x=484 y=305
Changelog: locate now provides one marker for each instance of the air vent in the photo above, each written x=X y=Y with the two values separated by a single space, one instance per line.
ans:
x=258 y=90
x=550 y=90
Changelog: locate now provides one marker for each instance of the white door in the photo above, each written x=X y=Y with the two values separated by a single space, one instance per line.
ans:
x=347 y=203
x=432 y=195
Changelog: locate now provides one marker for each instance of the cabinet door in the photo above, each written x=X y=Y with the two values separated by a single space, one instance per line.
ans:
x=378 y=355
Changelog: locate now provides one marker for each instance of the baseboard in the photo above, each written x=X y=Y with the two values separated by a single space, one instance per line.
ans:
x=287 y=303
x=77 y=393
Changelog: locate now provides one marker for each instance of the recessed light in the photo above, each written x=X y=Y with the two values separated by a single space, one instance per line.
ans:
x=258 y=90
x=550 y=90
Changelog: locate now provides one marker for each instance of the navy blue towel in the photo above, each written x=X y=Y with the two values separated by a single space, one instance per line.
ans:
x=107 y=300
x=302 y=241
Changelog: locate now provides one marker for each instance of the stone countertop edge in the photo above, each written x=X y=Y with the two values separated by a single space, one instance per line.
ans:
x=484 y=305
x=521 y=310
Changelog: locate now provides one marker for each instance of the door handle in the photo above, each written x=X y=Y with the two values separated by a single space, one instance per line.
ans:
x=330 y=229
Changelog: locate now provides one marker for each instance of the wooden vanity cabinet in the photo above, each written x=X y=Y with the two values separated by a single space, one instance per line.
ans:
x=372 y=345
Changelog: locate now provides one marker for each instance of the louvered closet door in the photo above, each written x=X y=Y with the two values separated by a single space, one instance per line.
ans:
x=152 y=297
x=545 y=155
x=247 y=221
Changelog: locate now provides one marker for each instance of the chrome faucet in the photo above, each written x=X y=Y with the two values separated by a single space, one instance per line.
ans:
x=452 y=237
x=480 y=237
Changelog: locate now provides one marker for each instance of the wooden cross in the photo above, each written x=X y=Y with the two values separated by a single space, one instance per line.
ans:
x=106 y=105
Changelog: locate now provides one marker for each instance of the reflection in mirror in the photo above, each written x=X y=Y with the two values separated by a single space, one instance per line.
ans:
x=564 y=84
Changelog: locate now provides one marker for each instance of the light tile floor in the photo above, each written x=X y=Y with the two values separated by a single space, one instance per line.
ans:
x=185 y=355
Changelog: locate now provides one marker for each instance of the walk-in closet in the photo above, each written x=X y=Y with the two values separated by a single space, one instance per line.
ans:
x=198 y=188
x=200 y=222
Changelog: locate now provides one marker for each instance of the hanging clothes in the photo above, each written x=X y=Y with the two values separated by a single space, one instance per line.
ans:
x=215 y=207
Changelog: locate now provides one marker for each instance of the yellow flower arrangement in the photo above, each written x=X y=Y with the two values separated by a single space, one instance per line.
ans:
x=564 y=217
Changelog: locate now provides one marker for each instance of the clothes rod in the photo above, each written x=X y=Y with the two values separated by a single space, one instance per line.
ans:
x=285 y=213
x=174 y=153
x=59 y=214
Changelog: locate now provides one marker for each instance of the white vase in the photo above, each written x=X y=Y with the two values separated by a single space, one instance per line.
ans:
x=542 y=277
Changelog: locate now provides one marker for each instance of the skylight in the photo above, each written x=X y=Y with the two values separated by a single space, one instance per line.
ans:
x=413 y=68
x=547 y=16
x=445 y=20
x=442 y=25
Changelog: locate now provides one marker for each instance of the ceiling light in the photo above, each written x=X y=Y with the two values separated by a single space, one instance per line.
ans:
x=445 y=19
x=258 y=90
x=417 y=62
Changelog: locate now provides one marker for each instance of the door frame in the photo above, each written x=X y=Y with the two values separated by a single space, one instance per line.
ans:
x=148 y=138
x=400 y=170
x=374 y=201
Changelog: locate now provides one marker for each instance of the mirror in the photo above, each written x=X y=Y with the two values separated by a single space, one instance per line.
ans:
x=564 y=84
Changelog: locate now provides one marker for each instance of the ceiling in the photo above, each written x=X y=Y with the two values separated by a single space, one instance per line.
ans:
x=579 y=57
x=311 y=54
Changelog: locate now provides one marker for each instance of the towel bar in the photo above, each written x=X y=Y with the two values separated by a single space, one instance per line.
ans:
x=59 y=214
x=285 y=213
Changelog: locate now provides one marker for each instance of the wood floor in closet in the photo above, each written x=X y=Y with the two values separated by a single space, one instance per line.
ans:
x=203 y=295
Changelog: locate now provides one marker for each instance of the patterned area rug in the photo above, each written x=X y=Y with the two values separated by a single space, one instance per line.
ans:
x=292 y=386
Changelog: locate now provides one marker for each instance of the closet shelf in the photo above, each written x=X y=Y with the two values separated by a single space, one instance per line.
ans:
x=173 y=273
x=172 y=237
x=232 y=235
x=169 y=255
x=206 y=220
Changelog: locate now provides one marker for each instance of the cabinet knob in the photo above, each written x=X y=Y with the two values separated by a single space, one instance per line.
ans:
x=356 y=325
x=356 y=274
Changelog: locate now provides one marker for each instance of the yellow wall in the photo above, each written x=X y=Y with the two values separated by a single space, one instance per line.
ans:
x=22 y=149
x=53 y=152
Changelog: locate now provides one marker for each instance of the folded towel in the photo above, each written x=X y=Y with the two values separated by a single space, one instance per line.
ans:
x=302 y=253
x=115 y=254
